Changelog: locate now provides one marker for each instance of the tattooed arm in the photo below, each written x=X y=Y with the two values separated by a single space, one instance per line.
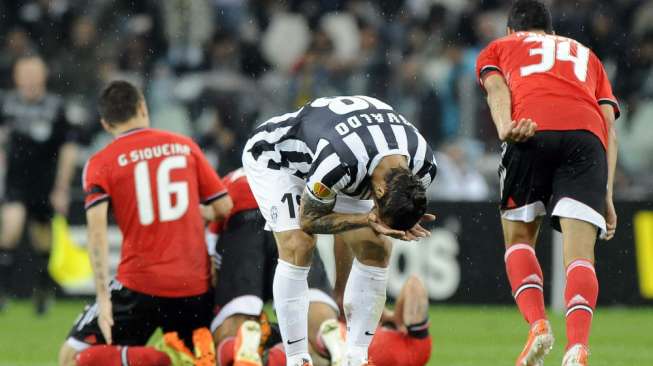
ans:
x=98 y=246
x=317 y=217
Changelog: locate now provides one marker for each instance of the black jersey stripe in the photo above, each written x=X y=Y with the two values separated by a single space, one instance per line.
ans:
x=389 y=135
x=412 y=141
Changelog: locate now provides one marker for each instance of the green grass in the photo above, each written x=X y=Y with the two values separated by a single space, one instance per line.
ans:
x=462 y=335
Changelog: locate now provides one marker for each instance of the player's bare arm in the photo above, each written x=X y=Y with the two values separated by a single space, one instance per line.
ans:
x=218 y=210
x=96 y=220
x=499 y=101
x=610 y=214
x=60 y=195
x=317 y=217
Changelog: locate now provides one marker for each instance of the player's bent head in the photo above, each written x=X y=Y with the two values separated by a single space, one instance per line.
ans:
x=404 y=202
x=526 y=15
x=120 y=101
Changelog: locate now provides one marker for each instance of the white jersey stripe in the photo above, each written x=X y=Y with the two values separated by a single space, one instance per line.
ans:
x=379 y=139
x=327 y=165
x=402 y=140
x=420 y=153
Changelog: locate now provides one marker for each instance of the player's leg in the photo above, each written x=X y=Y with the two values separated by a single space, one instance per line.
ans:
x=526 y=174
x=578 y=206
x=40 y=234
x=365 y=292
x=12 y=226
x=133 y=326
x=412 y=307
x=277 y=195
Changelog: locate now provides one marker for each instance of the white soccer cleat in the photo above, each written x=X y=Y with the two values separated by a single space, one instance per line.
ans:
x=332 y=334
x=539 y=344
x=577 y=355
x=247 y=343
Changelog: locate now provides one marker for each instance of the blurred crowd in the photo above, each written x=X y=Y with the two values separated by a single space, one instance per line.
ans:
x=214 y=68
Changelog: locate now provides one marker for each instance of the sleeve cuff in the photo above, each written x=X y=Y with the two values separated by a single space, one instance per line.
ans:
x=488 y=70
x=613 y=103
x=214 y=197
x=95 y=201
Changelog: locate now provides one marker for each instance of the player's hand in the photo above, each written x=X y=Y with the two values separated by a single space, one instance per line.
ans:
x=381 y=228
x=519 y=131
x=60 y=200
x=105 y=317
x=610 y=220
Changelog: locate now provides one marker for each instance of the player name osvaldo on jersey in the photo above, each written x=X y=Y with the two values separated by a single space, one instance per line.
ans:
x=355 y=122
x=157 y=151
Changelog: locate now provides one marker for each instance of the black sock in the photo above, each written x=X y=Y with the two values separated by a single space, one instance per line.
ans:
x=419 y=330
x=43 y=280
x=6 y=266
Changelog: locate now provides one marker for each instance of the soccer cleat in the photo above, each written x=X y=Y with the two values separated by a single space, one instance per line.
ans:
x=539 y=344
x=204 y=347
x=247 y=345
x=332 y=336
x=577 y=355
x=173 y=341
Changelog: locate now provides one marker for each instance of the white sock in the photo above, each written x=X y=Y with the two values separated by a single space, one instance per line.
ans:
x=364 y=300
x=290 y=290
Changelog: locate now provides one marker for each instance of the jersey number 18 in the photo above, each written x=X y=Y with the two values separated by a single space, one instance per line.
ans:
x=164 y=190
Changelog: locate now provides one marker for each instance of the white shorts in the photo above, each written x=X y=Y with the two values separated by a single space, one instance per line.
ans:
x=278 y=195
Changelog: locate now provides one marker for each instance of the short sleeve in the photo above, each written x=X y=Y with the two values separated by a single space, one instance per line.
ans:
x=210 y=186
x=327 y=177
x=95 y=182
x=488 y=63
x=604 y=93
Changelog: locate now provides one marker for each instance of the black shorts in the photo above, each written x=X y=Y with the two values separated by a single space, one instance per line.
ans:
x=248 y=256
x=136 y=316
x=31 y=185
x=562 y=172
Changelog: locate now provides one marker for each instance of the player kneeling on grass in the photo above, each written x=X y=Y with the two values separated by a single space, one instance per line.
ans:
x=360 y=171
x=560 y=155
x=155 y=182
x=245 y=259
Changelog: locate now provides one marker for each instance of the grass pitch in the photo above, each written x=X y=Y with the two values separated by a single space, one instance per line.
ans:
x=462 y=335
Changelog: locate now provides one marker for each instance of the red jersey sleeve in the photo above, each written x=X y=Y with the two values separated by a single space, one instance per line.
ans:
x=94 y=182
x=210 y=185
x=604 y=93
x=487 y=63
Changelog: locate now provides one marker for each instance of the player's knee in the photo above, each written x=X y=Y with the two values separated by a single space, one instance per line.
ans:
x=295 y=244
x=374 y=253
x=67 y=355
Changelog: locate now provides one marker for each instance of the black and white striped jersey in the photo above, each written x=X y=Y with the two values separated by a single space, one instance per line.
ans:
x=335 y=143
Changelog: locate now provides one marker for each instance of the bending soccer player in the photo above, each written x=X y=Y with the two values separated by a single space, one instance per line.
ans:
x=155 y=182
x=350 y=166
x=246 y=256
x=554 y=110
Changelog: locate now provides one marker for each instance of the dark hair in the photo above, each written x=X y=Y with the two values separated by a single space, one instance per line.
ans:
x=119 y=102
x=404 y=201
x=527 y=15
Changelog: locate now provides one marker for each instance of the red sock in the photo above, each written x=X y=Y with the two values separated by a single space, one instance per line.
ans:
x=106 y=355
x=276 y=356
x=225 y=352
x=580 y=295
x=526 y=281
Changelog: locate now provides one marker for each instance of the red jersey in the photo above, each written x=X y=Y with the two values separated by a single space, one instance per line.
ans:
x=156 y=181
x=241 y=195
x=555 y=81
x=391 y=348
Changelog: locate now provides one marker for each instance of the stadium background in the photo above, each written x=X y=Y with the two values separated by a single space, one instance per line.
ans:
x=211 y=69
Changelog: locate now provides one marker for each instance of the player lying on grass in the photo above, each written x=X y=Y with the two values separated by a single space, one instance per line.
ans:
x=154 y=182
x=554 y=110
x=246 y=258
x=349 y=166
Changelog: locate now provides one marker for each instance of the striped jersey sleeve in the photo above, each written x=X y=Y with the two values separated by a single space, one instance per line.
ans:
x=328 y=176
